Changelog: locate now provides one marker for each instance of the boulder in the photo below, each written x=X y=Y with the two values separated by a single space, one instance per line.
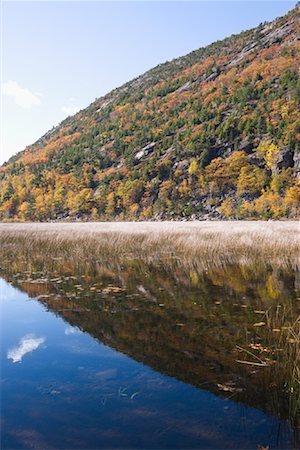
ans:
x=285 y=159
x=145 y=151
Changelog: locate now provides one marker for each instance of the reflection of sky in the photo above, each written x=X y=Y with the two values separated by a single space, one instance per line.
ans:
x=26 y=345
x=114 y=398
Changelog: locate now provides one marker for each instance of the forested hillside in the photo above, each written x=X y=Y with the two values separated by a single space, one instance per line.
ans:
x=215 y=133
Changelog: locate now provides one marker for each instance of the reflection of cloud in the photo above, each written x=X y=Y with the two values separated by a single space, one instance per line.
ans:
x=72 y=330
x=27 y=344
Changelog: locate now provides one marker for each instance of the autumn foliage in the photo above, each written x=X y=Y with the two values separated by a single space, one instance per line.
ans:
x=214 y=133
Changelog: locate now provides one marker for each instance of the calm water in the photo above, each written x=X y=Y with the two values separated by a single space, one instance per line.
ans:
x=94 y=358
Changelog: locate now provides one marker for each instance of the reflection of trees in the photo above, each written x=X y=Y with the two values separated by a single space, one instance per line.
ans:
x=184 y=322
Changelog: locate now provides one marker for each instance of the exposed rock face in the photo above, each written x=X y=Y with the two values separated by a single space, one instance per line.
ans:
x=245 y=146
x=296 y=160
x=145 y=151
x=285 y=159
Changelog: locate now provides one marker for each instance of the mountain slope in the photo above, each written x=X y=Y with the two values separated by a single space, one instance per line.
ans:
x=215 y=133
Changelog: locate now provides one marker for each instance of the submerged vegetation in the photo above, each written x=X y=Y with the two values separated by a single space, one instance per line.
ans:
x=214 y=305
x=214 y=133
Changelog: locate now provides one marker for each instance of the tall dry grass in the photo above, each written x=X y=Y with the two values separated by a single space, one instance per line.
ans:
x=210 y=242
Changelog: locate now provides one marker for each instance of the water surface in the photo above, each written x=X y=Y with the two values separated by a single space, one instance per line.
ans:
x=140 y=357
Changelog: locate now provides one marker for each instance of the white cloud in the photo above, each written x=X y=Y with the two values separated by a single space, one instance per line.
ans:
x=23 y=97
x=27 y=344
x=70 y=110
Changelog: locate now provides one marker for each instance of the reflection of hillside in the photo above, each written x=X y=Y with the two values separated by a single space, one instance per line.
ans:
x=183 y=324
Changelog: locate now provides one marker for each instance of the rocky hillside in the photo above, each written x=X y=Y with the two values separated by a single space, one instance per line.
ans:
x=215 y=133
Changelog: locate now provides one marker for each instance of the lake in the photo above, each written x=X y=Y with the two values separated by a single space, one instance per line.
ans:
x=136 y=353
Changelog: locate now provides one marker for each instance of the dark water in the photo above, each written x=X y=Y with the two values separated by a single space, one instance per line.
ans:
x=137 y=358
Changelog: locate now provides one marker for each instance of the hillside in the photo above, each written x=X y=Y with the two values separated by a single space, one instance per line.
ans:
x=215 y=133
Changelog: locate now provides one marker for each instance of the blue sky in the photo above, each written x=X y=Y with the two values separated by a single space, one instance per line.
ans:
x=59 y=56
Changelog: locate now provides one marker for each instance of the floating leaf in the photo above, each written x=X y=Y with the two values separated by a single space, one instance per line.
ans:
x=112 y=290
x=134 y=395
x=229 y=388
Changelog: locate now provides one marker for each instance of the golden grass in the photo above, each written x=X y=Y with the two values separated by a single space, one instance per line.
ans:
x=212 y=243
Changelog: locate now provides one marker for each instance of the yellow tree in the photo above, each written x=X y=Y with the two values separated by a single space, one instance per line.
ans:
x=269 y=151
x=251 y=180
x=227 y=208
x=224 y=173
x=110 y=204
x=193 y=167
x=24 y=211
x=292 y=200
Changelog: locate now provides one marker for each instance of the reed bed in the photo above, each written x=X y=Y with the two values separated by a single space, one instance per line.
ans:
x=285 y=344
x=190 y=243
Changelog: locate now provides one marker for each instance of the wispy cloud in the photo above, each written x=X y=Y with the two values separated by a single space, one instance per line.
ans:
x=22 y=96
x=70 y=110
x=27 y=344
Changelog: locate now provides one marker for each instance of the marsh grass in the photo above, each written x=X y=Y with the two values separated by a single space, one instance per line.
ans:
x=276 y=356
x=284 y=338
x=206 y=243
